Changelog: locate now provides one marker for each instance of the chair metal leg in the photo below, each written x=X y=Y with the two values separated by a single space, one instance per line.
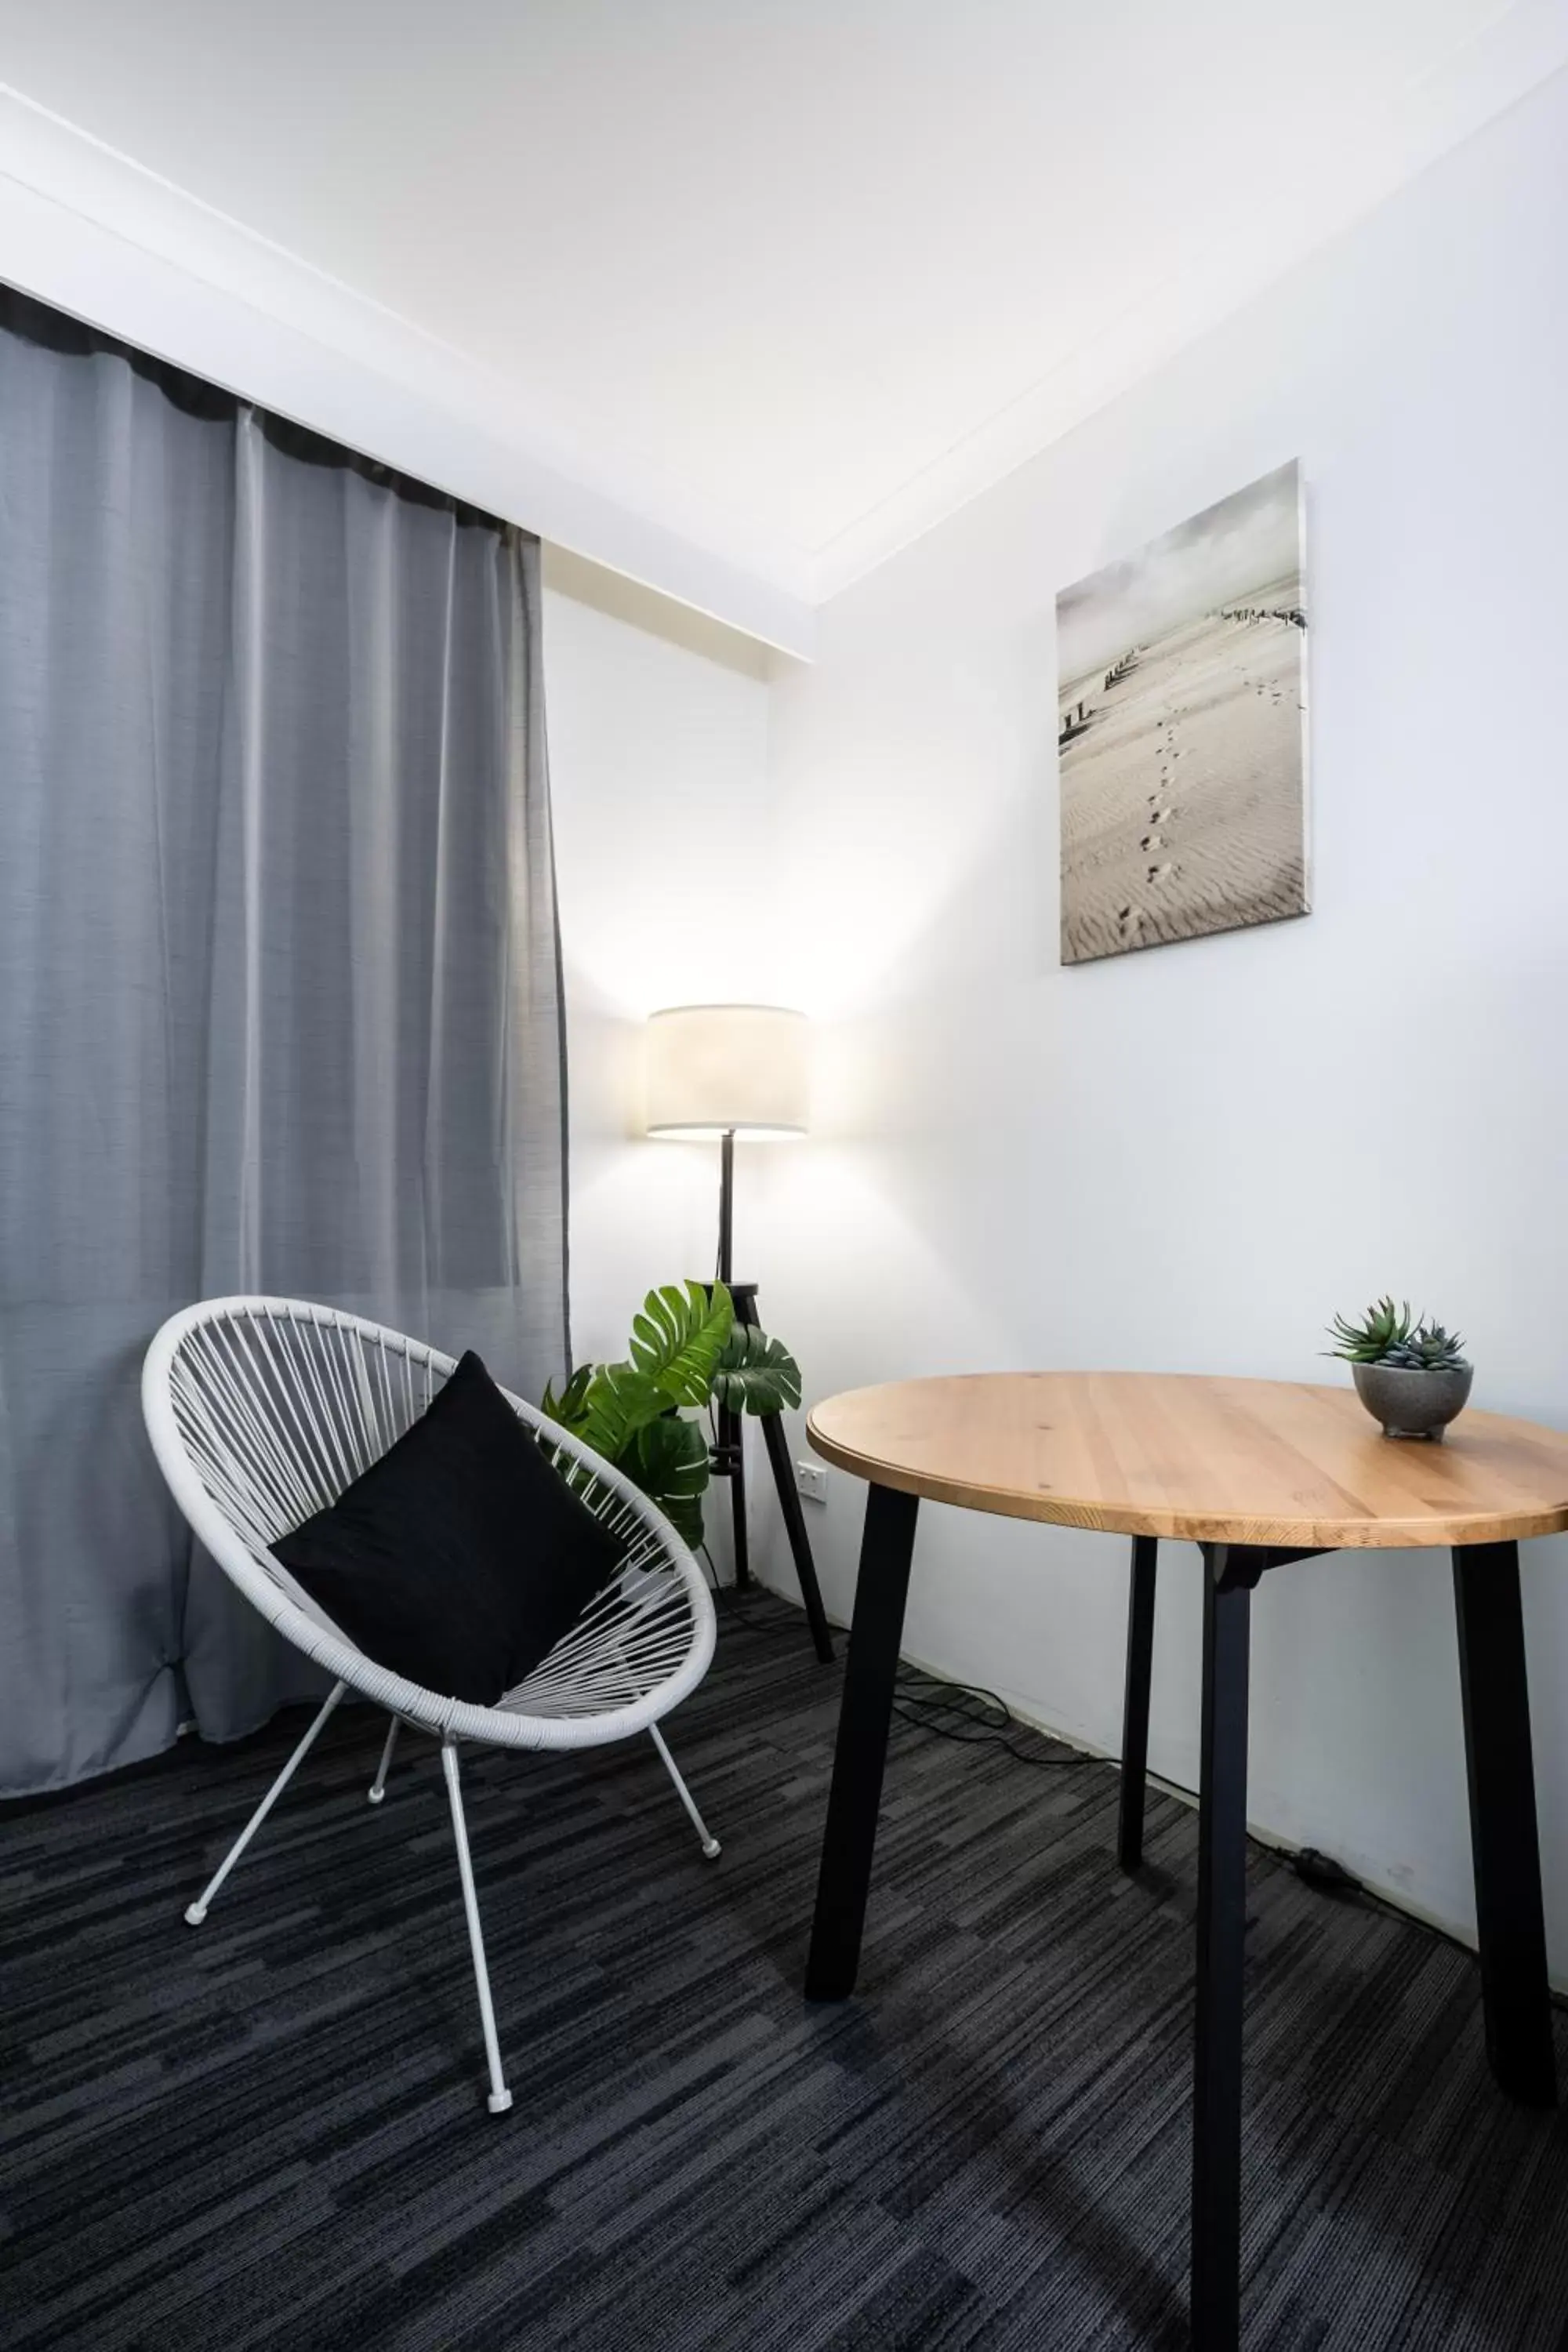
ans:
x=1135 y=1716
x=499 y=2098
x=378 y=1786
x=710 y=1846
x=197 y=1912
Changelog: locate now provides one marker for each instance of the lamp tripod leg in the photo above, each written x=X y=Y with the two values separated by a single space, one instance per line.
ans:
x=789 y=1505
x=732 y=1441
x=731 y=1432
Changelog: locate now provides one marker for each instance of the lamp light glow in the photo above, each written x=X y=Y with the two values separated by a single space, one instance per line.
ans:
x=728 y=1069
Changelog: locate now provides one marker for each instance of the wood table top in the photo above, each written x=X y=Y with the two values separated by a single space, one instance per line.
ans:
x=1183 y=1454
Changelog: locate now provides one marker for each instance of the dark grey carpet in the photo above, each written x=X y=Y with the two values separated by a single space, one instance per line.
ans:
x=270 y=2132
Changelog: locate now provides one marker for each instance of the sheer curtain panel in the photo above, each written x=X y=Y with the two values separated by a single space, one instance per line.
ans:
x=280 y=981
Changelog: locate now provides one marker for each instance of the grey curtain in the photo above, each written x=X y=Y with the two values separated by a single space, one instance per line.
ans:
x=279 y=993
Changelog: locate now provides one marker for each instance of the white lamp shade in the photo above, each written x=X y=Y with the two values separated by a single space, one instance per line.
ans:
x=712 y=1068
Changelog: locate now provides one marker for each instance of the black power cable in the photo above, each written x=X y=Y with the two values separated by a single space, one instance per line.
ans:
x=963 y=1712
x=978 y=1717
x=729 y=1604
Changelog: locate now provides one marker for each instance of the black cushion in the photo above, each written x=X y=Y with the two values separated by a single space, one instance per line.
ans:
x=461 y=1556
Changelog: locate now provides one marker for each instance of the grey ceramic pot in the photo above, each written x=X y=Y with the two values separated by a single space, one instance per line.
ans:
x=1412 y=1404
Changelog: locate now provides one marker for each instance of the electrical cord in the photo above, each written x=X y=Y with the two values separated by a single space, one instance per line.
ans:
x=957 y=1711
x=962 y=1712
x=729 y=1604
x=1323 y=1873
x=977 y=1718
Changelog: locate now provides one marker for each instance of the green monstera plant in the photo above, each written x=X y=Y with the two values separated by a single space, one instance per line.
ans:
x=686 y=1352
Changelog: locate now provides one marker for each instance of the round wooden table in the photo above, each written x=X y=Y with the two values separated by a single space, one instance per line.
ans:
x=1258 y=1474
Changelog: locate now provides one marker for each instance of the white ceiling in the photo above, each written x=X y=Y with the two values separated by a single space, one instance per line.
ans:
x=791 y=277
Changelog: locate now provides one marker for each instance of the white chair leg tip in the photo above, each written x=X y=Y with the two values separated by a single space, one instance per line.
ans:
x=195 y=1914
x=373 y=1795
x=711 y=1849
x=498 y=2102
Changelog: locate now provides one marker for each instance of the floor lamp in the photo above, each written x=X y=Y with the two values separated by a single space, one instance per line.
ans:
x=716 y=1073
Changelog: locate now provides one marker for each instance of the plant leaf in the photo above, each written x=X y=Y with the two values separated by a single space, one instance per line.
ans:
x=620 y=1401
x=1384 y=1328
x=569 y=1409
x=677 y=1338
x=754 y=1373
x=668 y=1458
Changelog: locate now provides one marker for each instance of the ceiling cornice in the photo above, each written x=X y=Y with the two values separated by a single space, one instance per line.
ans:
x=93 y=232
x=96 y=235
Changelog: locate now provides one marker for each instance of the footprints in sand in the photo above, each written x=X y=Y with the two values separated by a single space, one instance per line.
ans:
x=1139 y=926
x=1132 y=920
x=1161 y=811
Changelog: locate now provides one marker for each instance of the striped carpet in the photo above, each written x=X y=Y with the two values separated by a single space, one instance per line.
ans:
x=271 y=2133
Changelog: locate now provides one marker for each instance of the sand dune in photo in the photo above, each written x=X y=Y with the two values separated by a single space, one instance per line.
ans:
x=1181 y=782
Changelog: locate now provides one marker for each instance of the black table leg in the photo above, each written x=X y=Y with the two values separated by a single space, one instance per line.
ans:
x=843 y=1879
x=1503 y=1840
x=1135 y=1713
x=1229 y=1574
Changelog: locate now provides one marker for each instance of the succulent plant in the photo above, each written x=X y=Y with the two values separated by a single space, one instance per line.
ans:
x=1383 y=1326
x=1388 y=1334
x=1429 y=1349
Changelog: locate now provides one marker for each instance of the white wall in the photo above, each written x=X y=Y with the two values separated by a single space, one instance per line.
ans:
x=1187 y=1158
x=658 y=724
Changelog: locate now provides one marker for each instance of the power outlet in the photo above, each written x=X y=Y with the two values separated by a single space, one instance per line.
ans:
x=810 y=1477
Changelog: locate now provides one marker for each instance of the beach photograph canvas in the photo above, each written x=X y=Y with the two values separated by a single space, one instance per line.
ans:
x=1181 y=739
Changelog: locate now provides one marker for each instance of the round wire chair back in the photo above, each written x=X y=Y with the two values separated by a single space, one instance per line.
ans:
x=261 y=1411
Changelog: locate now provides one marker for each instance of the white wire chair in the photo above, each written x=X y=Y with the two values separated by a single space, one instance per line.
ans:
x=262 y=1410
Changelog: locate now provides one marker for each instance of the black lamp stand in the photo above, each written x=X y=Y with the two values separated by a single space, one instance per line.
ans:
x=729 y=1460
